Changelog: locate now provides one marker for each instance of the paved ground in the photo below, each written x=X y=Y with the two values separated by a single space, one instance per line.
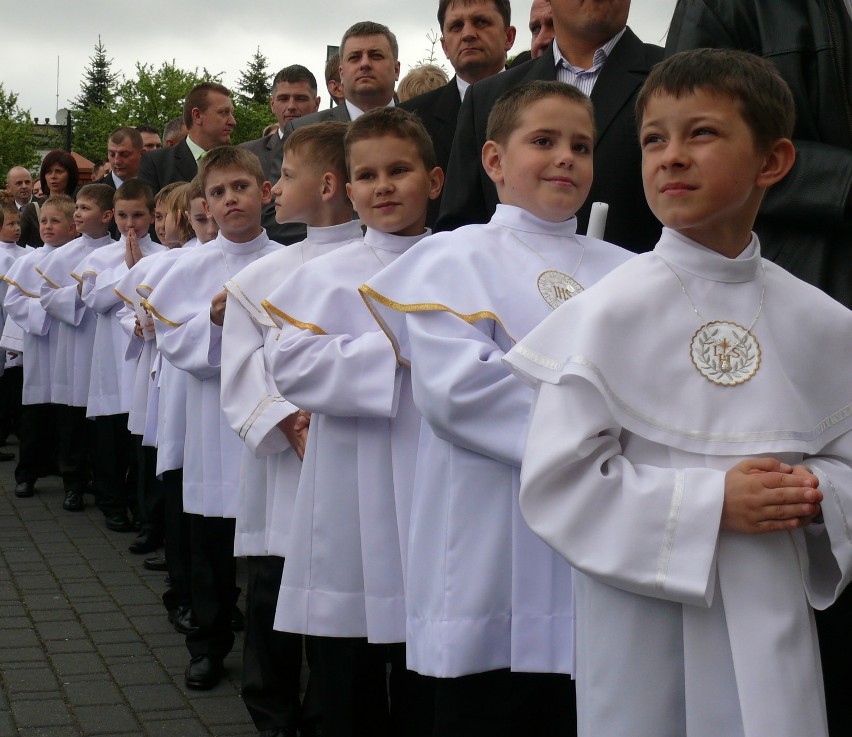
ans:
x=85 y=647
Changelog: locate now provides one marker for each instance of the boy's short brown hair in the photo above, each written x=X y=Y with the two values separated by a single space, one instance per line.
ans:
x=506 y=114
x=423 y=78
x=135 y=189
x=227 y=157
x=61 y=202
x=196 y=190
x=322 y=145
x=176 y=202
x=7 y=205
x=765 y=101
x=391 y=121
x=99 y=195
x=162 y=196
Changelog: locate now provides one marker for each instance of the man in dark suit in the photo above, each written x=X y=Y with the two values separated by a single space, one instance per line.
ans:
x=294 y=94
x=19 y=184
x=475 y=36
x=595 y=50
x=369 y=68
x=208 y=114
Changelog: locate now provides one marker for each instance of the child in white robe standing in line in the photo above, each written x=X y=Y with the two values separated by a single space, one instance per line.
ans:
x=489 y=606
x=690 y=449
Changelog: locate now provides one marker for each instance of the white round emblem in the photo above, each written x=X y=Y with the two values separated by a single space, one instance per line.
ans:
x=557 y=288
x=725 y=353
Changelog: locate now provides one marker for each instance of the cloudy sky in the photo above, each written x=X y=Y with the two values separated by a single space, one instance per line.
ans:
x=153 y=31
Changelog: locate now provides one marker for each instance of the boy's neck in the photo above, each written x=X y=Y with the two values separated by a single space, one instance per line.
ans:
x=241 y=237
x=95 y=236
x=328 y=218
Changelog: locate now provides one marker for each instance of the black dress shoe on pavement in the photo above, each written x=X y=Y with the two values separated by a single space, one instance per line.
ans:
x=238 y=621
x=155 y=563
x=6 y=456
x=24 y=489
x=181 y=619
x=117 y=523
x=73 y=501
x=145 y=542
x=203 y=673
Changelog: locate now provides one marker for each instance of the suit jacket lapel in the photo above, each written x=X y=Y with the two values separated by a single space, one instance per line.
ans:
x=185 y=163
x=622 y=73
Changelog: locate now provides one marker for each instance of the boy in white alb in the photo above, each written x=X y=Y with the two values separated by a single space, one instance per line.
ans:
x=37 y=450
x=343 y=580
x=111 y=380
x=311 y=190
x=60 y=297
x=692 y=412
x=489 y=606
x=188 y=327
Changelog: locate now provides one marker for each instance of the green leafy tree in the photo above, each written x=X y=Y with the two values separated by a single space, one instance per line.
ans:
x=254 y=84
x=17 y=143
x=99 y=81
x=252 y=118
x=94 y=112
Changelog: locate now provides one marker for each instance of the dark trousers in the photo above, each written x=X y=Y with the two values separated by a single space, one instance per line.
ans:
x=115 y=466
x=212 y=585
x=272 y=660
x=177 y=543
x=38 y=435
x=505 y=704
x=352 y=686
x=76 y=447
x=835 y=648
x=150 y=497
x=11 y=387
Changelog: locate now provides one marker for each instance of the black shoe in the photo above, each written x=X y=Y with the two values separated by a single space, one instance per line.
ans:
x=73 y=501
x=238 y=621
x=203 y=673
x=181 y=619
x=145 y=542
x=6 y=456
x=24 y=489
x=117 y=522
x=155 y=563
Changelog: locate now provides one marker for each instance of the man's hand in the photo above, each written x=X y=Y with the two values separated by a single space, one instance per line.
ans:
x=765 y=495
x=217 y=308
x=295 y=429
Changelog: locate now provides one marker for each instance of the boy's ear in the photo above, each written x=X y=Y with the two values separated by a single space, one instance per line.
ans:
x=206 y=208
x=436 y=182
x=349 y=195
x=107 y=216
x=778 y=161
x=329 y=186
x=266 y=193
x=492 y=161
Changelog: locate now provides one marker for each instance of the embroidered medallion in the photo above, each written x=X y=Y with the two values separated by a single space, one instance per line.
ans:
x=557 y=288
x=725 y=353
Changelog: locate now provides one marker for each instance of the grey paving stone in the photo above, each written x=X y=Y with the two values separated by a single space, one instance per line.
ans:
x=22 y=655
x=30 y=679
x=67 y=629
x=16 y=638
x=7 y=726
x=112 y=719
x=172 y=727
x=162 y=697
x=138 y=672
x=40 y=713
x=83 y=691
x=70 y=664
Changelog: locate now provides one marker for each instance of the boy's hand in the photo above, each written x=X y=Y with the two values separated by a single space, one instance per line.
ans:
x=295 y=429
x=217 y=308
x=137 y=329
x=132 y=251
x=765 y=495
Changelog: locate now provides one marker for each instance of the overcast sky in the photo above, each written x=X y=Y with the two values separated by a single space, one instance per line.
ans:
x=289 y=32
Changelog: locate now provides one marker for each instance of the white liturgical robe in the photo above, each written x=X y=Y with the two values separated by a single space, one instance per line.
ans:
x=60 y=297
x=483 y=592
x=687 y=629
x=24 y=307
x=188 y=339
x=344 y=575
x=252 y=404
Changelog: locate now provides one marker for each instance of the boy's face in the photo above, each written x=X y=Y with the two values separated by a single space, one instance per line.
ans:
x=54 y=227
x=203 y=225
x=89 y=219
x=160 y=221
x=390 y=186
x=234 y=199
x=546 y=165
x=297 y=192
x=11 y=230
x=700 y=167
x=133 y=215
x=172 y=230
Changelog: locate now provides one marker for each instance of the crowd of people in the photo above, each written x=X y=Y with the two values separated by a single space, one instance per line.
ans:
x=497 y=465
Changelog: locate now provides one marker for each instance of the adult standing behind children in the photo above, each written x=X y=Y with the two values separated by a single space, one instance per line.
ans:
x=294 y=94
x=208 y=115
x=594 y=50
x=475 y=36
x=369 y=68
